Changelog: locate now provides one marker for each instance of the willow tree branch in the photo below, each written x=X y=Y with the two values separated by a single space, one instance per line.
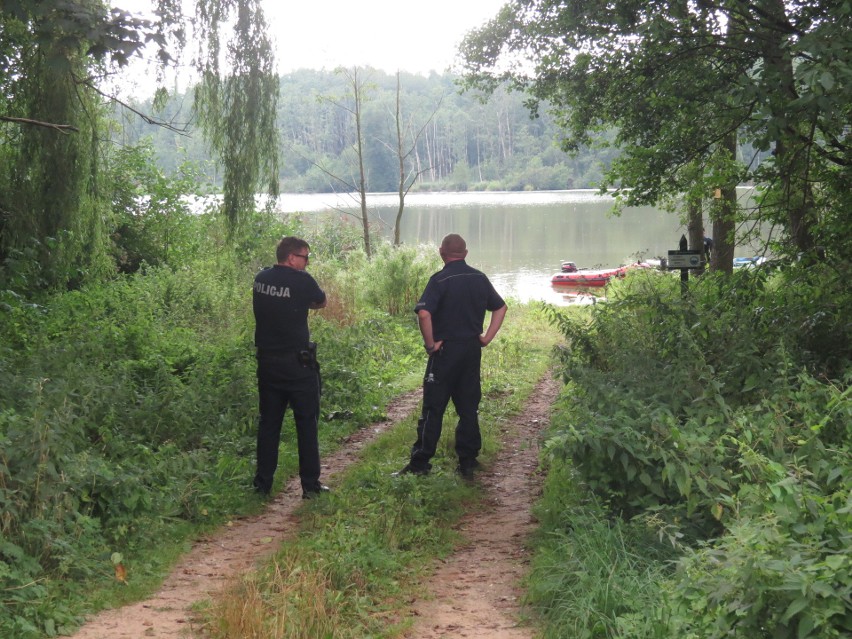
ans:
x=62 y=128
x=182 y=130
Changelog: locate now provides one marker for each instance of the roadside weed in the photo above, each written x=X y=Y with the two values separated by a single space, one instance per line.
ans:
x=376 y=535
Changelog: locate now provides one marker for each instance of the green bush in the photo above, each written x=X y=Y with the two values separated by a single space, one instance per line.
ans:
x=129 y=411
x=664 y=388
x=360 y=365
x=395 y=277
x=722 y=419
x=153 y=222
x=768 y=579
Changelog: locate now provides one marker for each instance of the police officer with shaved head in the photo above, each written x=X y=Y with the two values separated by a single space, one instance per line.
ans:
x=287 y=368
x=451 y=314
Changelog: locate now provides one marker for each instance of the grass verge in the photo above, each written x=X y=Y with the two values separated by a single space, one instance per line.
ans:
x=359 y=555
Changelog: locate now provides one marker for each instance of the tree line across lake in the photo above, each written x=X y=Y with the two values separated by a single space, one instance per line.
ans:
x=453 y=140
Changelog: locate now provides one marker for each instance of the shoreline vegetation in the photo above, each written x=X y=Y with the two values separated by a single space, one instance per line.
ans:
x=129 y=408
x=697 y=469
x=697 y=476
x=499 y=148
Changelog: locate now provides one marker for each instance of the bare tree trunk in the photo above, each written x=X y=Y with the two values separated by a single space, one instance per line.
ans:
x=430 y=153
x=502 y=137
x=401 y=158
x=353 y=184
x=792 y=147
x=362 y=177
x=402 y=155
x=510 y=132
x=724 y=222
x=695 y=229
x=418 y=166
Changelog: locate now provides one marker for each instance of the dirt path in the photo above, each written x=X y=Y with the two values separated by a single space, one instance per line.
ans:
x=236 y=548
x=474 y=594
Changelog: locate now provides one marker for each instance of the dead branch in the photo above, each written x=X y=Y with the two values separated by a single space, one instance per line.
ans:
x=62 y=128
x=183 y=130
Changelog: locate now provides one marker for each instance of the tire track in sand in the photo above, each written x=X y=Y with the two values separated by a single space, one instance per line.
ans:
x=476 y=592
x=473 y=594
x=233 y=549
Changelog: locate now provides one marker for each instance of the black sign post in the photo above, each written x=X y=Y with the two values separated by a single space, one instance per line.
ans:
x=684 y=260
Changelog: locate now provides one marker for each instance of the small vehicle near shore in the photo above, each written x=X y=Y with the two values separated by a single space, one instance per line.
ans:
x=570 y=275
x=748 y=262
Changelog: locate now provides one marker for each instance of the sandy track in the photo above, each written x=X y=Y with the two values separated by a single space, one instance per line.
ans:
x=475 y=593
x=234 y=549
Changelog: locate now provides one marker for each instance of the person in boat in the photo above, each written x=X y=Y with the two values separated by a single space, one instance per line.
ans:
x=451 y=314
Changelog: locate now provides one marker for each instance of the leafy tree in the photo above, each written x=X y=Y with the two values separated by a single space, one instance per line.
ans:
x=237 y=108
x=54 y=58
x=682 y=83
x=51 y=208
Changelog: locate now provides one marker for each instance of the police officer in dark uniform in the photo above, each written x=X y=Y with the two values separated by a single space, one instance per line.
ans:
x=287 y=369
x=707 y=244
x=451 y=313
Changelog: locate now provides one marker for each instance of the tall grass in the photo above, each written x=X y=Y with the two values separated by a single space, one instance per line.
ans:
x=368 y=544
x=590 y=570
x=293 y=598
x=128 y=415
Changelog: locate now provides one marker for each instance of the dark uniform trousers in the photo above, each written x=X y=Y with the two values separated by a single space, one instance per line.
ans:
x=451 y=373
x=282 y=381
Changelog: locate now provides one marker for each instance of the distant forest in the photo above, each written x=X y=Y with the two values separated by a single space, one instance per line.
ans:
x=452 y=140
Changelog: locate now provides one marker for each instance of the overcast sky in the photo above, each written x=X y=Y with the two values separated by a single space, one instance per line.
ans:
x=390 y=35
x=386 y=34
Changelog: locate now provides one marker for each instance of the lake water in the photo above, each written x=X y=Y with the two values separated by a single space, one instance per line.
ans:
x=518 y=239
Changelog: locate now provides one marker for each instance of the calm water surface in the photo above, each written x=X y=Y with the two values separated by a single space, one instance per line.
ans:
x=517 y=238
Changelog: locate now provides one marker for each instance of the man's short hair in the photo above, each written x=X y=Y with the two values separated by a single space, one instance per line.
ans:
x=289 y=245
x=453 y=245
